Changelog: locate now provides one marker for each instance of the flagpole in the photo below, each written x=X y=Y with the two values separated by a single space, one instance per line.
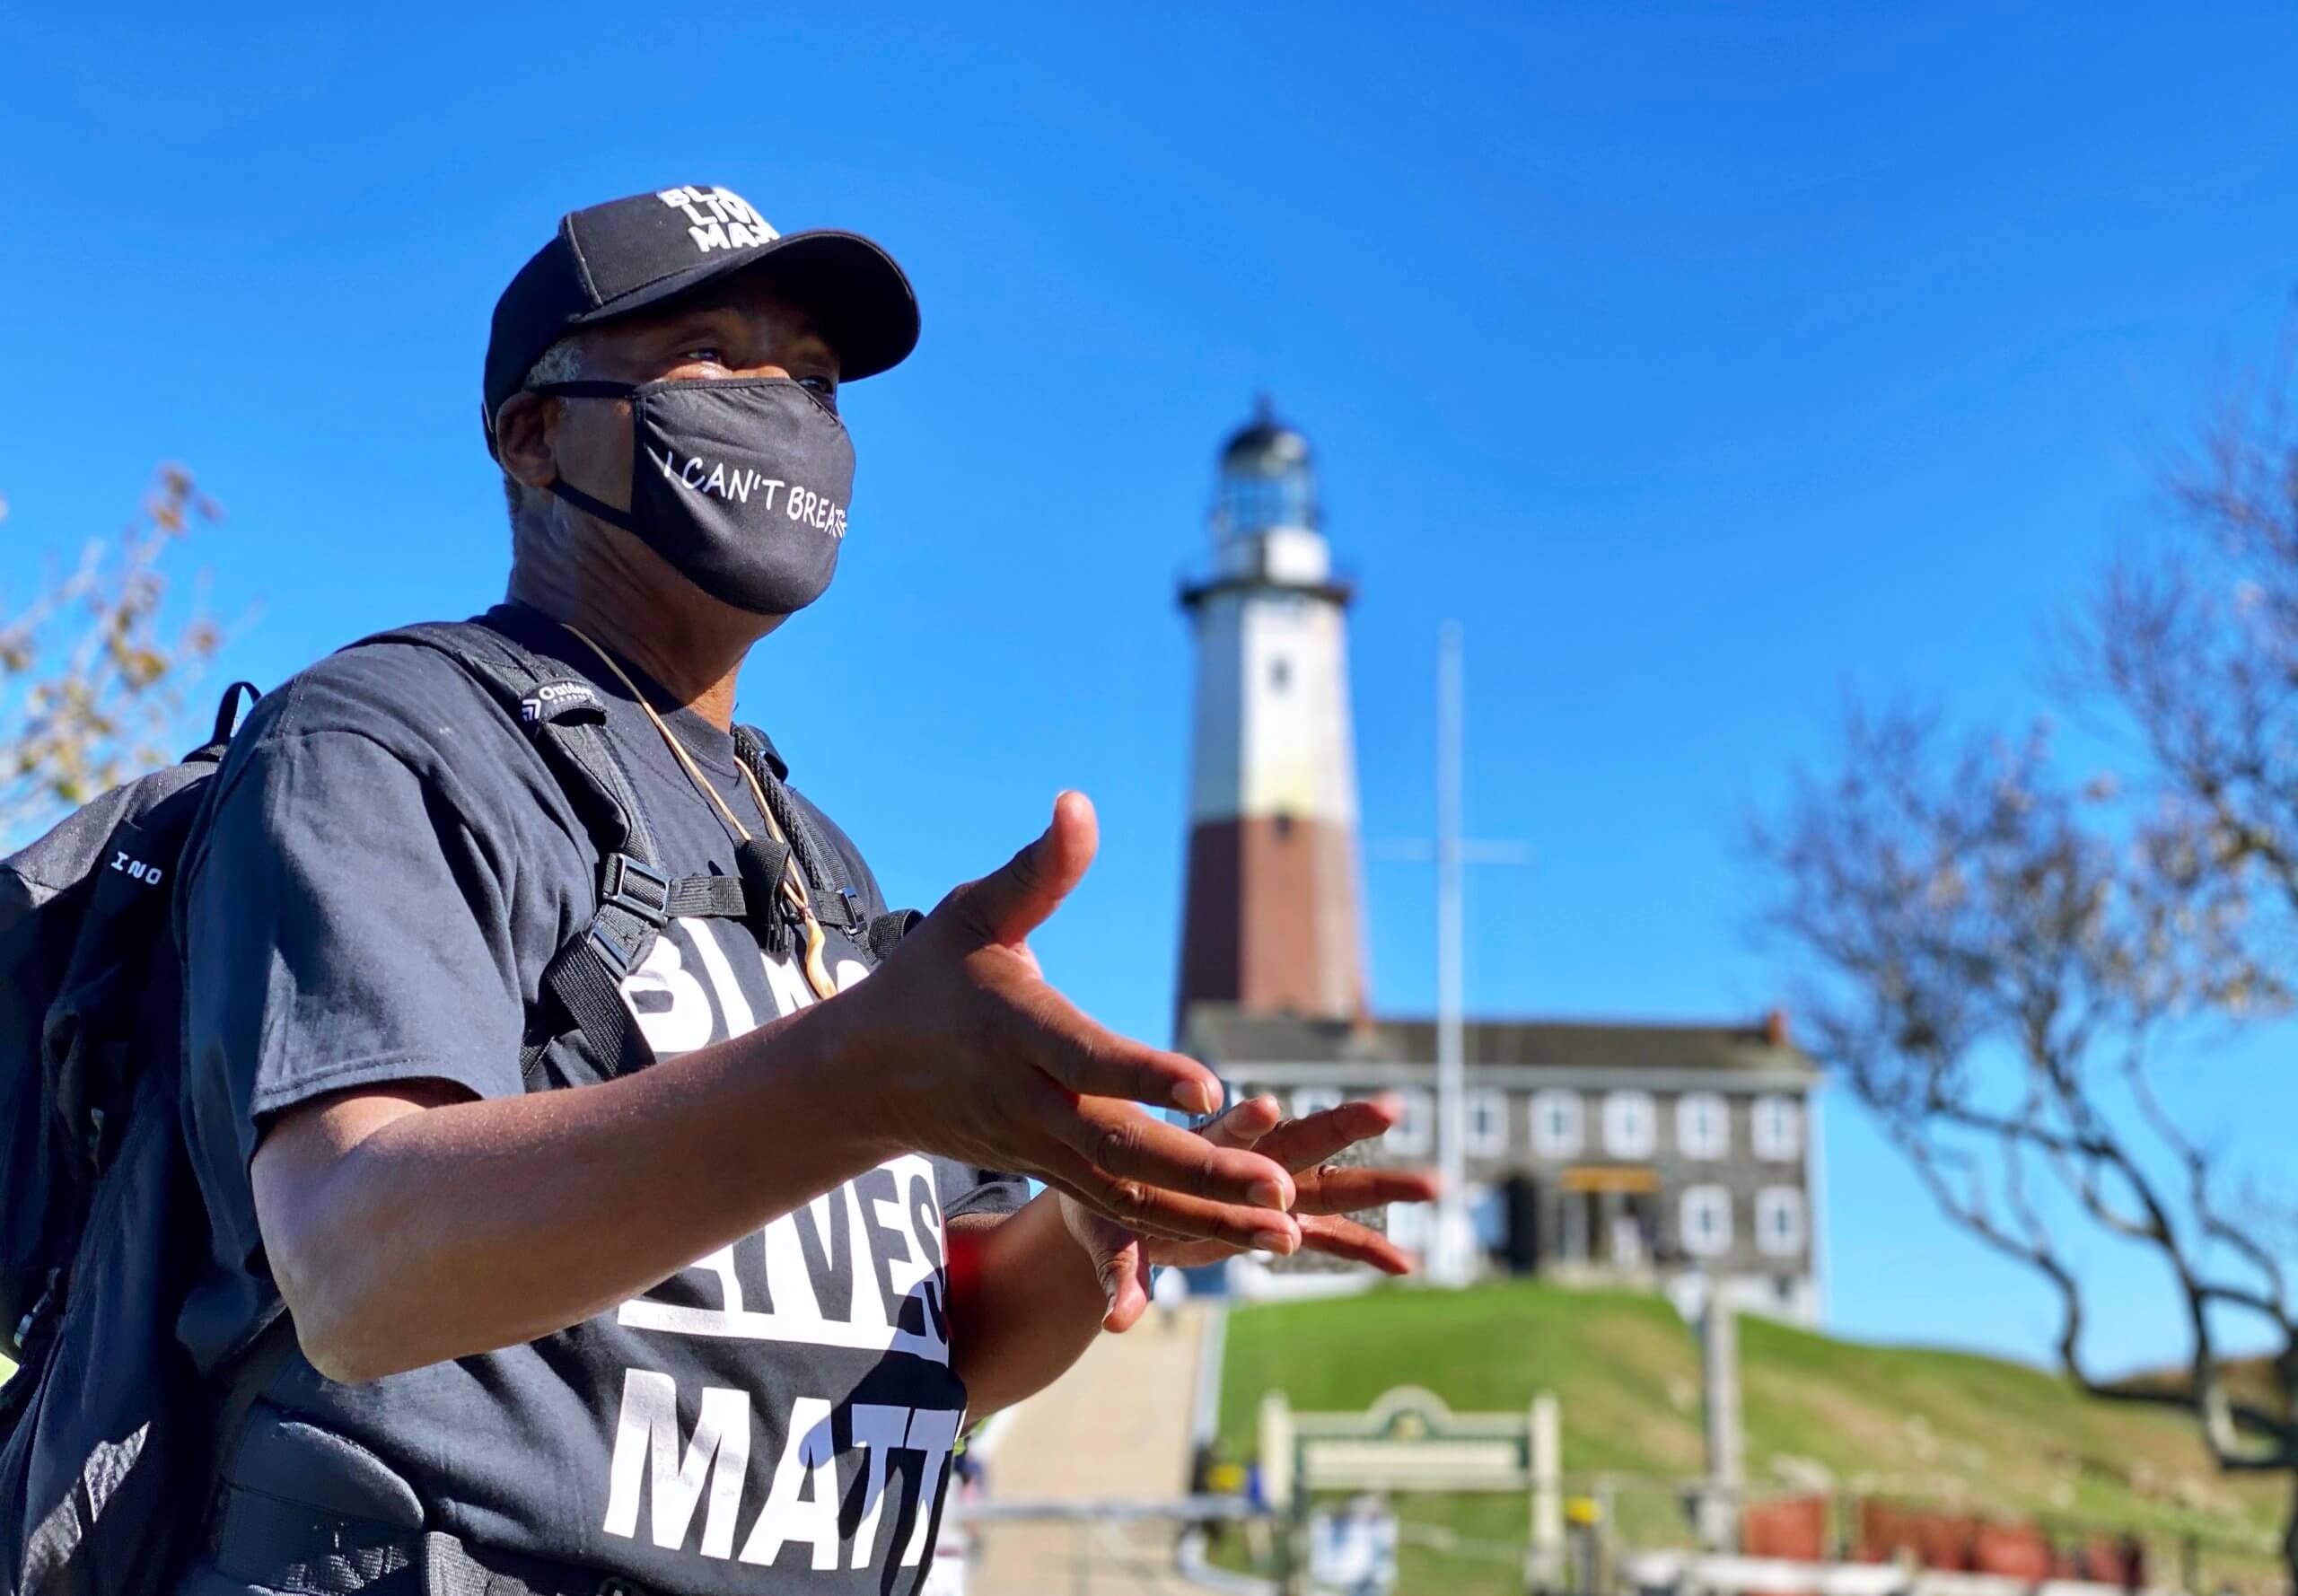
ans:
x=1454 y=1251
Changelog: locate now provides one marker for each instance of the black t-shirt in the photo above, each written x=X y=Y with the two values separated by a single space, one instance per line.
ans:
x=389 y=868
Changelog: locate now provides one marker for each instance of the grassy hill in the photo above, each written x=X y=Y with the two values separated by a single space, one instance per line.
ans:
x=1978 y=1434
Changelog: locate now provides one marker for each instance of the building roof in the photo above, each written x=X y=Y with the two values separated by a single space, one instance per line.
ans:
x=1225 y=1035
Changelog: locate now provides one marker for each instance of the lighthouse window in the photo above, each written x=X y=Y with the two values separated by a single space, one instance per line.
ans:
x=1280 y=673
x=1284 y=825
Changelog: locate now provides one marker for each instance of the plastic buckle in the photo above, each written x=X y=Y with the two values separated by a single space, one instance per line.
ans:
x=620 y=959
x=635 y=888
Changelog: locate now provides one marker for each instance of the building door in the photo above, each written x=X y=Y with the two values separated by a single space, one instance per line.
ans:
x=1606 y=1216
x=1521 y=1196
x=1626 y=1249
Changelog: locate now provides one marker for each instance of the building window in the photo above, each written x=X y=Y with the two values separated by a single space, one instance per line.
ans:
x=1407 y=1225
x=1410 y=1133
x=1280 y=673
x=1628 y=1129
x=1487 y=1123
x=1703 y=1125
x=1556 y=1124
x=1314 y=1100
x=1779 y=1221
x=1776 y=1128
x=1707 y=1221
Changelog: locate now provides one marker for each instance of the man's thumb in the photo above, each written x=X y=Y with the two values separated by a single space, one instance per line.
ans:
x=1121 y=1283
x=1020 y=895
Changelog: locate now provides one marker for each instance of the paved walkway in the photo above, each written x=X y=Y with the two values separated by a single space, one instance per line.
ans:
x=1116 y=1426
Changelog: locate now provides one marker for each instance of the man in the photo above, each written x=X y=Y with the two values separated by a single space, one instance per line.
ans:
x=713 y=1324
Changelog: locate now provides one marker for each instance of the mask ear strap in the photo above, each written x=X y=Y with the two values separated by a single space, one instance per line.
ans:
x=561 y=488
x=585 y=389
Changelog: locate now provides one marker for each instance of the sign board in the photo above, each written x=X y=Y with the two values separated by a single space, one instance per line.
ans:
x=1409 y=1441
x=1633 y=1178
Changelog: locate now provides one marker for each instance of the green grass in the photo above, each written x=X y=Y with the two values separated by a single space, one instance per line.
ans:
x=1978 y=1434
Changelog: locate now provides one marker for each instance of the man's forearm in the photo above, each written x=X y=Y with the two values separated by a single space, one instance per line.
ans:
x=1026 y=1303
x=442 y=1231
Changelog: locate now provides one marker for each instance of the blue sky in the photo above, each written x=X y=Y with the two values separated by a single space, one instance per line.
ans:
x=1705 y=363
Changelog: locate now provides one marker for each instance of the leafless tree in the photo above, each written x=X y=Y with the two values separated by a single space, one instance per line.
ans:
x=2000 y=972
x=2005 y=963
x=93 y=662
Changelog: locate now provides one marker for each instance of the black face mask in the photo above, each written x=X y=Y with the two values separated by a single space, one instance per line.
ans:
x=741 y=483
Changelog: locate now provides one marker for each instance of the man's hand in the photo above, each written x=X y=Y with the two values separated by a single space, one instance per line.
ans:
x=1327 y=1192
x=963 y=1049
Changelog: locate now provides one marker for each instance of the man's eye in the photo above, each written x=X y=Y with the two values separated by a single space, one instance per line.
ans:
x=707 y=353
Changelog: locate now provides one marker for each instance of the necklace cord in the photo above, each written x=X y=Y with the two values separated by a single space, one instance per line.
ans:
x=793 y=885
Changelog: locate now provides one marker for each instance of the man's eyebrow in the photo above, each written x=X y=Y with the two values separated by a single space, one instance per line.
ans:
x=806 y=341
x=688 y=318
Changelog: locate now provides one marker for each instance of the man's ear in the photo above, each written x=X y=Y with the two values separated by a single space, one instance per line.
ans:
x=525 y=438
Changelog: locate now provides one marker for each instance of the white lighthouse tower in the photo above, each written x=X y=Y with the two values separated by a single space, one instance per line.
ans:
x=1272 y=923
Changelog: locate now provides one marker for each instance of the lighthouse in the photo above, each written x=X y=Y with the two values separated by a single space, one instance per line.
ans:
x=1272 y=923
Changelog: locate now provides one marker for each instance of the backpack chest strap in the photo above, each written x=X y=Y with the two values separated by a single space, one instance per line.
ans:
x=583 y=982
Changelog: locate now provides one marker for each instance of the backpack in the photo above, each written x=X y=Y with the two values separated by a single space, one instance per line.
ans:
x=111 y=1439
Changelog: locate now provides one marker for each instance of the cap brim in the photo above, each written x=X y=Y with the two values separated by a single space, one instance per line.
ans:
x=859 y=299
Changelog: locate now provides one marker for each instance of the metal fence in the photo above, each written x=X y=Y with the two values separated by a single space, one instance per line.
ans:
x=1625 y=1534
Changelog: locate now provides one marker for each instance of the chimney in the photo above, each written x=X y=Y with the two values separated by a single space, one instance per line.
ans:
x=1774 y=1028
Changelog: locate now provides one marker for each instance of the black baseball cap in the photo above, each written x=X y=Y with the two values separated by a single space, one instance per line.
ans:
x=628 y=255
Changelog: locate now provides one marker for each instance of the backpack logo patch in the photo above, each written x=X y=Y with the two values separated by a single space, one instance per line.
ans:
x=136 y=870
x=553 y=699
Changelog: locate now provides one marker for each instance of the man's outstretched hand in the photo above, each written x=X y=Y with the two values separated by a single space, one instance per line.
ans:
x=1327 y=1192
x=971 y=1053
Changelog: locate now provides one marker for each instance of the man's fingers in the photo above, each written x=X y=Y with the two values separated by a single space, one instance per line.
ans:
x=1348 y=1188
x=1139 y=1206
x=1132 y=1144
x=1244 y=1124
x=1016 y=898
x=1300 y=1142
x=1094 y=1061
x=1346 y=1239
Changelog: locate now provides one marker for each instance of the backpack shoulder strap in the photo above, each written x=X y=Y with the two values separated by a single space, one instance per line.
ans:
x=562 y=714
x=564 y=717
x=227 y=723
